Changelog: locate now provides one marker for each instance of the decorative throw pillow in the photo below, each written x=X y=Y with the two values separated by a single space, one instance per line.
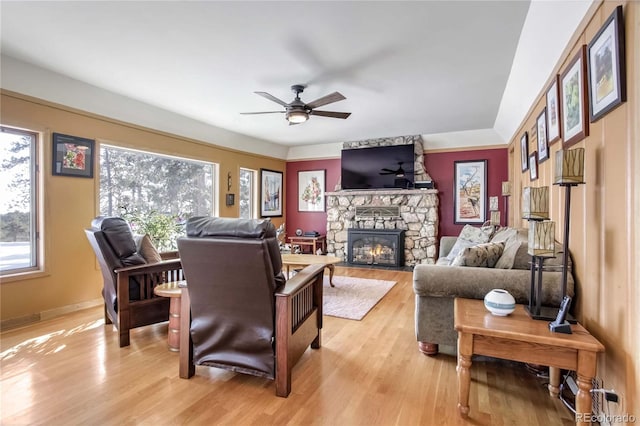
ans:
x=476 y=235
x=459 y=245
x=146 y=249
x=503 y=234
x=511 y=246
x=481 y=255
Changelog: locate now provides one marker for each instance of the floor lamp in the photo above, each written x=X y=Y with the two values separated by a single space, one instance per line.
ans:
x=506 y=193
x=569 y=172
x=541 y=244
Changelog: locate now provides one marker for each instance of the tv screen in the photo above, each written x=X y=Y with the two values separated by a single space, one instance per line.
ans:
x=378 y=167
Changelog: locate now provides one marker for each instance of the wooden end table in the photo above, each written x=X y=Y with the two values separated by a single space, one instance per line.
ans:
x=302 y=260
x=519 y=338
x=172 y=290
x=313 y=242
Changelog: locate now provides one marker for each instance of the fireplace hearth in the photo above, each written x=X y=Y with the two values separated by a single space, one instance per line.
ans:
x=383 y=247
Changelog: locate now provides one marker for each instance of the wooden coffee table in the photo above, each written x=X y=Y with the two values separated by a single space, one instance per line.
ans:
x=302 y=260
x=519 y=338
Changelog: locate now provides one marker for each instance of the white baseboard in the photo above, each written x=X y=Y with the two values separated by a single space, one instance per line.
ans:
x=48 y=314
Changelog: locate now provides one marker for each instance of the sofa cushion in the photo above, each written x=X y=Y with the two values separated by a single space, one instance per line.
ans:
x=147 y=249
x=475 y=234
x=460 y=245
x=481 y=255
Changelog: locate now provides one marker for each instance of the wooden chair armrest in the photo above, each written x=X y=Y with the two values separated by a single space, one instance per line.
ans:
x=302 y=279
x=166 y=255
x=164 y=265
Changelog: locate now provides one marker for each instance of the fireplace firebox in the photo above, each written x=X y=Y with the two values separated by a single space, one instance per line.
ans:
x=383 y=247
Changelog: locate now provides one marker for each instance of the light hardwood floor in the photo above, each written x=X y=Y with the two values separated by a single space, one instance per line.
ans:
x=70 y=371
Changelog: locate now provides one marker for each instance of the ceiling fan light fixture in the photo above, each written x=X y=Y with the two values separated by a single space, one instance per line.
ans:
x=297 y=116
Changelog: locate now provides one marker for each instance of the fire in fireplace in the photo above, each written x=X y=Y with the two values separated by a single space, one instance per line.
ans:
x=376 y=247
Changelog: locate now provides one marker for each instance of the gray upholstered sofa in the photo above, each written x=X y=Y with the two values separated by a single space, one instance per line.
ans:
x=436 y=286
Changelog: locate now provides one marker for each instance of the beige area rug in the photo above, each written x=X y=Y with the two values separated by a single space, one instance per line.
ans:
x=352 y=298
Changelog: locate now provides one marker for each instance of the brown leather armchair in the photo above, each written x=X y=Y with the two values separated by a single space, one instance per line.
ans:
x=129 y=301
x=238 y=313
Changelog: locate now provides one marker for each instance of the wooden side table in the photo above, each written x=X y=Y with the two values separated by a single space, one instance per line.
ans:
x=312 y=242
x=172 y=290
x=519 y=338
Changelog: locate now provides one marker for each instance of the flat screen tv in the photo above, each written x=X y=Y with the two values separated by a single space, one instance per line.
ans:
x=378 y=167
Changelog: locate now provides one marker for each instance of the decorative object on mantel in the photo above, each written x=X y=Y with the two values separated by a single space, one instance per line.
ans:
x=535 y=203
x=499 y=302
x=569 y=172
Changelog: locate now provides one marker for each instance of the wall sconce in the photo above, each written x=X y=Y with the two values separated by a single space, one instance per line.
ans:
x=229 y=181
x=535 y=203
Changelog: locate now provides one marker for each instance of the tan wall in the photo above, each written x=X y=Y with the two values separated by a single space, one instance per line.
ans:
x=602 y=230
x=72 y=277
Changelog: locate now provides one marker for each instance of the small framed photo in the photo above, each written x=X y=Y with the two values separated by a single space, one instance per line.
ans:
x=311 y=187
x=533 y=165
x=270 y=193
x=607 y=76
x=524 y=152
x=553 y=111
x=470 y=197
x=543 y=146
x=72 y=156
x=573 y=99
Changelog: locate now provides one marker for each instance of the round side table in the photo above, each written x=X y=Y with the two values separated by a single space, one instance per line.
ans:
x=172 y=290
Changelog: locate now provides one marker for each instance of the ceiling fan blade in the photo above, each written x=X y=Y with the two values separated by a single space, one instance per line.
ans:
x=332 y=114
x=263 y=112
x=272 y=98
x=333 y=97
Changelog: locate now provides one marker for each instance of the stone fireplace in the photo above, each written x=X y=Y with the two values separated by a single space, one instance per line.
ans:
x=384 y=247
x=414 y=211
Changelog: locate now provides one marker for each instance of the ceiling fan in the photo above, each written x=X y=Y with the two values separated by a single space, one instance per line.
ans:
x=399 y=172
x=297 y=111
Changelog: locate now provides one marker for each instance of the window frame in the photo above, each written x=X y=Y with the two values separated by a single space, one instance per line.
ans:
x=253 y=191
x=37 y=203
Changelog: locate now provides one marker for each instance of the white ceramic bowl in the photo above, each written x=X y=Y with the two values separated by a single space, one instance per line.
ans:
x=499 y=302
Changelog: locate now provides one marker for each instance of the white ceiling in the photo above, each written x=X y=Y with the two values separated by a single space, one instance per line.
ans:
x=429 y=67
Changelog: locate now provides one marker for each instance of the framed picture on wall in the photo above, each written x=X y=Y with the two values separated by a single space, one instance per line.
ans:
x=606 y=65
x=470 y=192
x=72 y=156
x=533 y=165
x=311 y=188
x=573 y=93
x=553 y=111
x=543 y=147
x=524 y=152
x=270 y=193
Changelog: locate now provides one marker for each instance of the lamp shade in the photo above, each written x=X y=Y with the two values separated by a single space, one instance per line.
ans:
x=569 y=167
x=542 y=238
x=535 y=203
x=506 y=188
x=495 y=217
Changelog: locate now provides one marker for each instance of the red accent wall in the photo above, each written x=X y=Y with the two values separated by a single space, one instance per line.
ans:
x=308 y=221
x=440 y=167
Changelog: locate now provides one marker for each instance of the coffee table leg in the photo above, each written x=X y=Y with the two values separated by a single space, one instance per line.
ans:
x=331 y=269
x=465 y=350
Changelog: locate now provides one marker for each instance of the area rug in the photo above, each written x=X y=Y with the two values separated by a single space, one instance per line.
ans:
x=352 y=298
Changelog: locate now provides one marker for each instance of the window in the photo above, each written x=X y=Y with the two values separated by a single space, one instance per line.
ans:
x=19 y=231
x=155 y=193
x=247 y=194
